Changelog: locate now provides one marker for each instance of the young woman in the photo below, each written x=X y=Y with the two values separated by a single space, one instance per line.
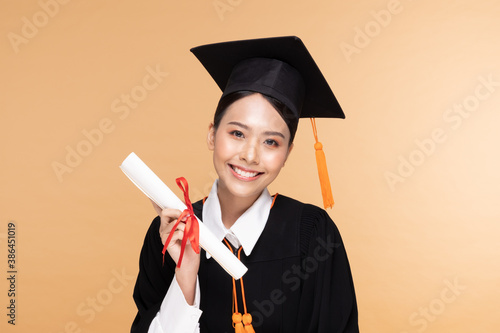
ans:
x=298 y=277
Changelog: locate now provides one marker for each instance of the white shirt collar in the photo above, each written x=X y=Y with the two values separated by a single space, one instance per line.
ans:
x=247 y=228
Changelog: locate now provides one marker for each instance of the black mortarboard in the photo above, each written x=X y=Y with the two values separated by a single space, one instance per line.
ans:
x=280 y=67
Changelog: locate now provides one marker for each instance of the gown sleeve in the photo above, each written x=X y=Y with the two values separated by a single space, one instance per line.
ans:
x=328 y=300
x=175 y=306
x=153 y=279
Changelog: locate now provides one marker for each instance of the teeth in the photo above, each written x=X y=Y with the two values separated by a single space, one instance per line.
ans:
x=245 y=173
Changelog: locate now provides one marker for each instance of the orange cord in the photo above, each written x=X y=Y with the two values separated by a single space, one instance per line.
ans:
x=240 y=323
x=315 y=130
x=235 y=298
x=242 y=288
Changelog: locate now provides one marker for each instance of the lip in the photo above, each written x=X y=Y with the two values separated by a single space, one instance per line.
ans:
x=241 y=177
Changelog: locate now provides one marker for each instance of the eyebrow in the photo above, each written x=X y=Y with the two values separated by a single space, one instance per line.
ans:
x=237 y=123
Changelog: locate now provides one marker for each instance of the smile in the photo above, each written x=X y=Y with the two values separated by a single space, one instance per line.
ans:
x=243 y=174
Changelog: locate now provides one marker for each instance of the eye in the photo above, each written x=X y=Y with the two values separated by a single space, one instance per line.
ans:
x=271 y=142
x=236 y=133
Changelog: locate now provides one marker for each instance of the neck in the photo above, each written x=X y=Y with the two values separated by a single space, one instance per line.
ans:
x=233 y=207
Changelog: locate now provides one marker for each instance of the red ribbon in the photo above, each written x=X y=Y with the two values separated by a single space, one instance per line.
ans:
x=192 y=229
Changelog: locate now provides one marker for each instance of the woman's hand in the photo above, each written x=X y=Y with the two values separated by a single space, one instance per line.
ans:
x=188 y=272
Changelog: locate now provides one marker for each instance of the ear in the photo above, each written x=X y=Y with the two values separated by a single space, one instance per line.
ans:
x=211 y=137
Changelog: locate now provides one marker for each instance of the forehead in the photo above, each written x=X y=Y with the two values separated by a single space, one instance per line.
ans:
x=254 y=110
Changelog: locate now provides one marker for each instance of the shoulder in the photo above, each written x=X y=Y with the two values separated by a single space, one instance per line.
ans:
x=313 y=221
x=309 y=214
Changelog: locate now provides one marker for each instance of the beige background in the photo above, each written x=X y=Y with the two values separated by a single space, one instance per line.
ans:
x=422 y=239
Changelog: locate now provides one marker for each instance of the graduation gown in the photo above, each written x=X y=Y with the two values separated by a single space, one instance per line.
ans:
x=298 y=278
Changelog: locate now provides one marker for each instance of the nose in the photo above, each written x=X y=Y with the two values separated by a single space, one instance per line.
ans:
x=250 y=153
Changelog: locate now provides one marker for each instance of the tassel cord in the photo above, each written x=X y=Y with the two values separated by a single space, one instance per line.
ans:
x=241 y=323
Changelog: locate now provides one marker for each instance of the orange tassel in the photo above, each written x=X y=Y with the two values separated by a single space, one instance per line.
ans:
x=247 y=321
x=326 y=189
x=238 y=328
x=238 y=325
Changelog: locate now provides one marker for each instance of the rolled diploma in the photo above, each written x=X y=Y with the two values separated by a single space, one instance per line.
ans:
x=152 y=186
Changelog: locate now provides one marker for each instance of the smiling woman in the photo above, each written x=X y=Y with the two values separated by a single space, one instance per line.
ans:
x=250 y=146
x=298 y=277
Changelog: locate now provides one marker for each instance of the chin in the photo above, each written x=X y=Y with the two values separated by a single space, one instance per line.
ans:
x=242 y=189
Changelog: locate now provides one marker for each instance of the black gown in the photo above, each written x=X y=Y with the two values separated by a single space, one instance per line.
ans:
x=298 y=278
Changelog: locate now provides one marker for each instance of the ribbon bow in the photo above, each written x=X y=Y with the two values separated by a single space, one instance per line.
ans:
x=192 y=229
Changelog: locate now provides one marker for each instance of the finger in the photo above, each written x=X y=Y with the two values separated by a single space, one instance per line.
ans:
x=168 y=228
x=170 y=214
x=176 y=237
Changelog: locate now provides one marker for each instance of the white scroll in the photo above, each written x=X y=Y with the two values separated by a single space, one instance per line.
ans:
x=152 y=186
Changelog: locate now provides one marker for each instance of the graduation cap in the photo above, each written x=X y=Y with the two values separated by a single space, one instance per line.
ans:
x=279 y=67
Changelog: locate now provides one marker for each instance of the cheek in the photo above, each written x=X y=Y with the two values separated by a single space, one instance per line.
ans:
x=223 y=148
x=274 y=161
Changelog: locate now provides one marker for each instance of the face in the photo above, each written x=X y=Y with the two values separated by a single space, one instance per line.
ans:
x=250 y=147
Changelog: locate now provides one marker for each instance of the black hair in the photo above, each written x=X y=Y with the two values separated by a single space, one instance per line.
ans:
x=290 y=119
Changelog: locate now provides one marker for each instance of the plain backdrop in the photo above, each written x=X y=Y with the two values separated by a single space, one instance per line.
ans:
x=414 y=166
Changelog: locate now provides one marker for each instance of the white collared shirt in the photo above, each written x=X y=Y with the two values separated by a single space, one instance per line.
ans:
x=245 y=232
x=248 y=227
